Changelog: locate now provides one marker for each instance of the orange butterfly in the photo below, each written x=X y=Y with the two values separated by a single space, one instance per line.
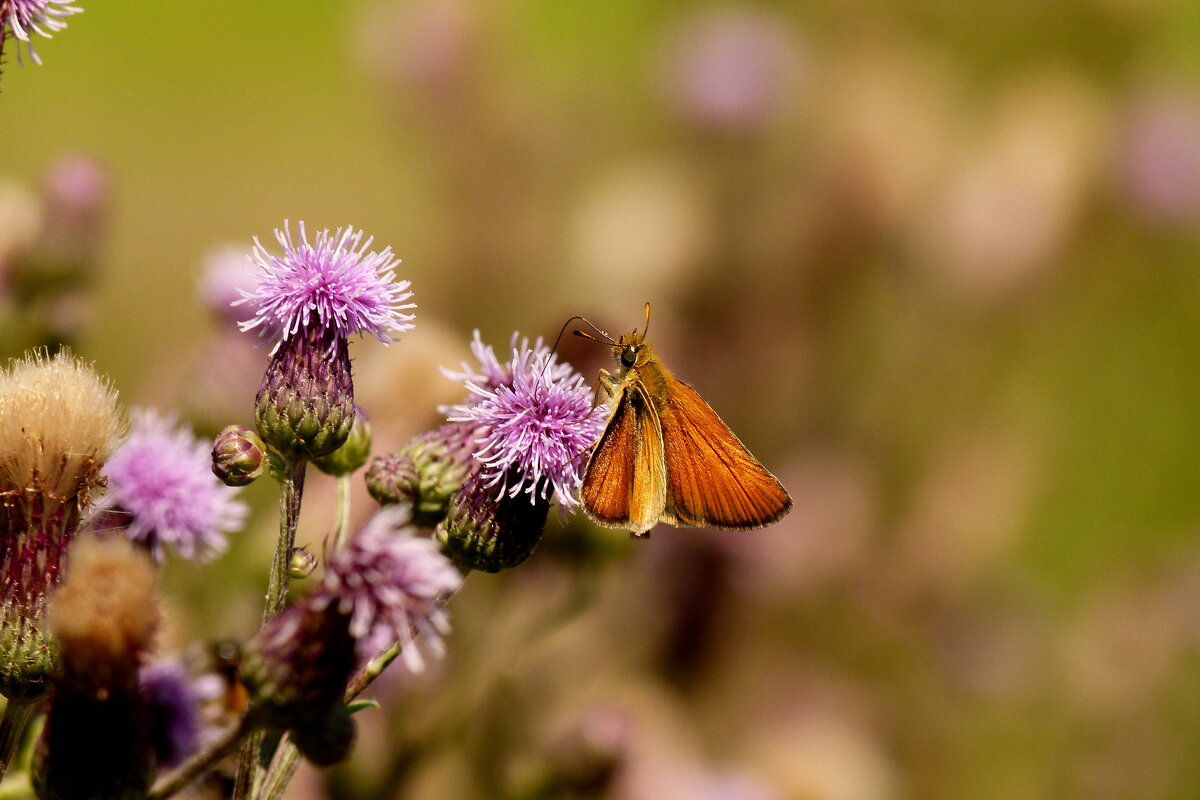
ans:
x=665 y=455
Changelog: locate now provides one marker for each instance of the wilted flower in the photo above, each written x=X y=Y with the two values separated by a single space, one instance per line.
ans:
x=162 y=491
x=43 y=17
x=96 y=742
x=59 y=422
x=313 y=298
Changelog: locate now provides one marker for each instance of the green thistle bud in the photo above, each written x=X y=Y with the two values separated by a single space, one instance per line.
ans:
x=239 y=456
x=305 y=405
x=425 y=472
x=351 y=455
x=490 y=533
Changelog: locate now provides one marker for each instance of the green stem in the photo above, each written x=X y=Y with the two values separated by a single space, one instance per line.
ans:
x=12 y=725
x=279 y=774
x=202 y=760
x=289 y=518
x=341 y=529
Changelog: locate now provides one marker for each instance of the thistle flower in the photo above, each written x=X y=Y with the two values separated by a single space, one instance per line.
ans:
x=312 y=299
x=43 y=17
x=381 y=585
x=539 y=419
x=59 y=422
x=96 y=742
x=533 y=420
x=162 y=491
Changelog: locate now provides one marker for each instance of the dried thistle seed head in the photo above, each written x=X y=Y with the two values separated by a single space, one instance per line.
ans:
x=96 y=741
x=104 y=614
x=59 y=422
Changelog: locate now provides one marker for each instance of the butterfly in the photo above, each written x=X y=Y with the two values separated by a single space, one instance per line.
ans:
x=665 y=455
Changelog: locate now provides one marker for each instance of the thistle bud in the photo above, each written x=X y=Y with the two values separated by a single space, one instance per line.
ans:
x=302 y=564
x=489 y=533
x=425 y=472
x=353 y=453
x=239 y=456
x=305 y=405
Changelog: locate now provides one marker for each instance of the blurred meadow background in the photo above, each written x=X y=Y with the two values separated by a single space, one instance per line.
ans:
x=936 y=263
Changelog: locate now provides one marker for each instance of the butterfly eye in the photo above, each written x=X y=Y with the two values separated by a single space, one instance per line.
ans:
x=628 y=357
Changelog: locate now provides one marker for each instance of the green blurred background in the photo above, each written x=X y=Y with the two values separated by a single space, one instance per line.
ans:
x=936 y=263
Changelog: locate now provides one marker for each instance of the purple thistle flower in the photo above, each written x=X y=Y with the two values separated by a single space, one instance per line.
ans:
x=43 y=17
x=162 y=489
x=491 y=372
x=539 y=418
x=391 y=586
x=333 y=284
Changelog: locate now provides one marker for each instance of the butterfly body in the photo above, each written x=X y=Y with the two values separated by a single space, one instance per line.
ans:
x=665 y=455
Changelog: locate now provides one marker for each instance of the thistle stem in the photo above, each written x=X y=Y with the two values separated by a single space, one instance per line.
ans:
x=341 y=530
x=202 y=760
x=289 y=517
x=279 y=774
x=12 y=725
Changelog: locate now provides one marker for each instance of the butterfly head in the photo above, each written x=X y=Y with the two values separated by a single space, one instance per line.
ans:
x=631 y=351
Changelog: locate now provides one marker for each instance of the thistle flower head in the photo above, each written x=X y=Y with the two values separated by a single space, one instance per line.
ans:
x=386 y=581
x=539 y=422
x=382 y=586
x=59 y=421
x=161 y=483
x=333 y=284
x=43 y=17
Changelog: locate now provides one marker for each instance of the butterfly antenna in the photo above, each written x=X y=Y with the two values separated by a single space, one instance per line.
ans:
x=606 y=340
x=646 y=329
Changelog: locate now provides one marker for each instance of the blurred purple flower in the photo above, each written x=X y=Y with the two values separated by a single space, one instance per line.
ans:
x=43 y=17
x=228 y=277
x=731 y=68
x=391 y=585
x=172 y=699
x=347 y=289
x=162 y=490
x=1160 y=157
x=539 y=418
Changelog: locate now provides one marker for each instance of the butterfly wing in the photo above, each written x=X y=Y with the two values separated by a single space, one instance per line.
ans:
x=624 y=485
x=712 y=479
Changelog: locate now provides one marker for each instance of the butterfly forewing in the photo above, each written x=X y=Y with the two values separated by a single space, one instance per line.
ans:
x=712 y=479
x=625 y=481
